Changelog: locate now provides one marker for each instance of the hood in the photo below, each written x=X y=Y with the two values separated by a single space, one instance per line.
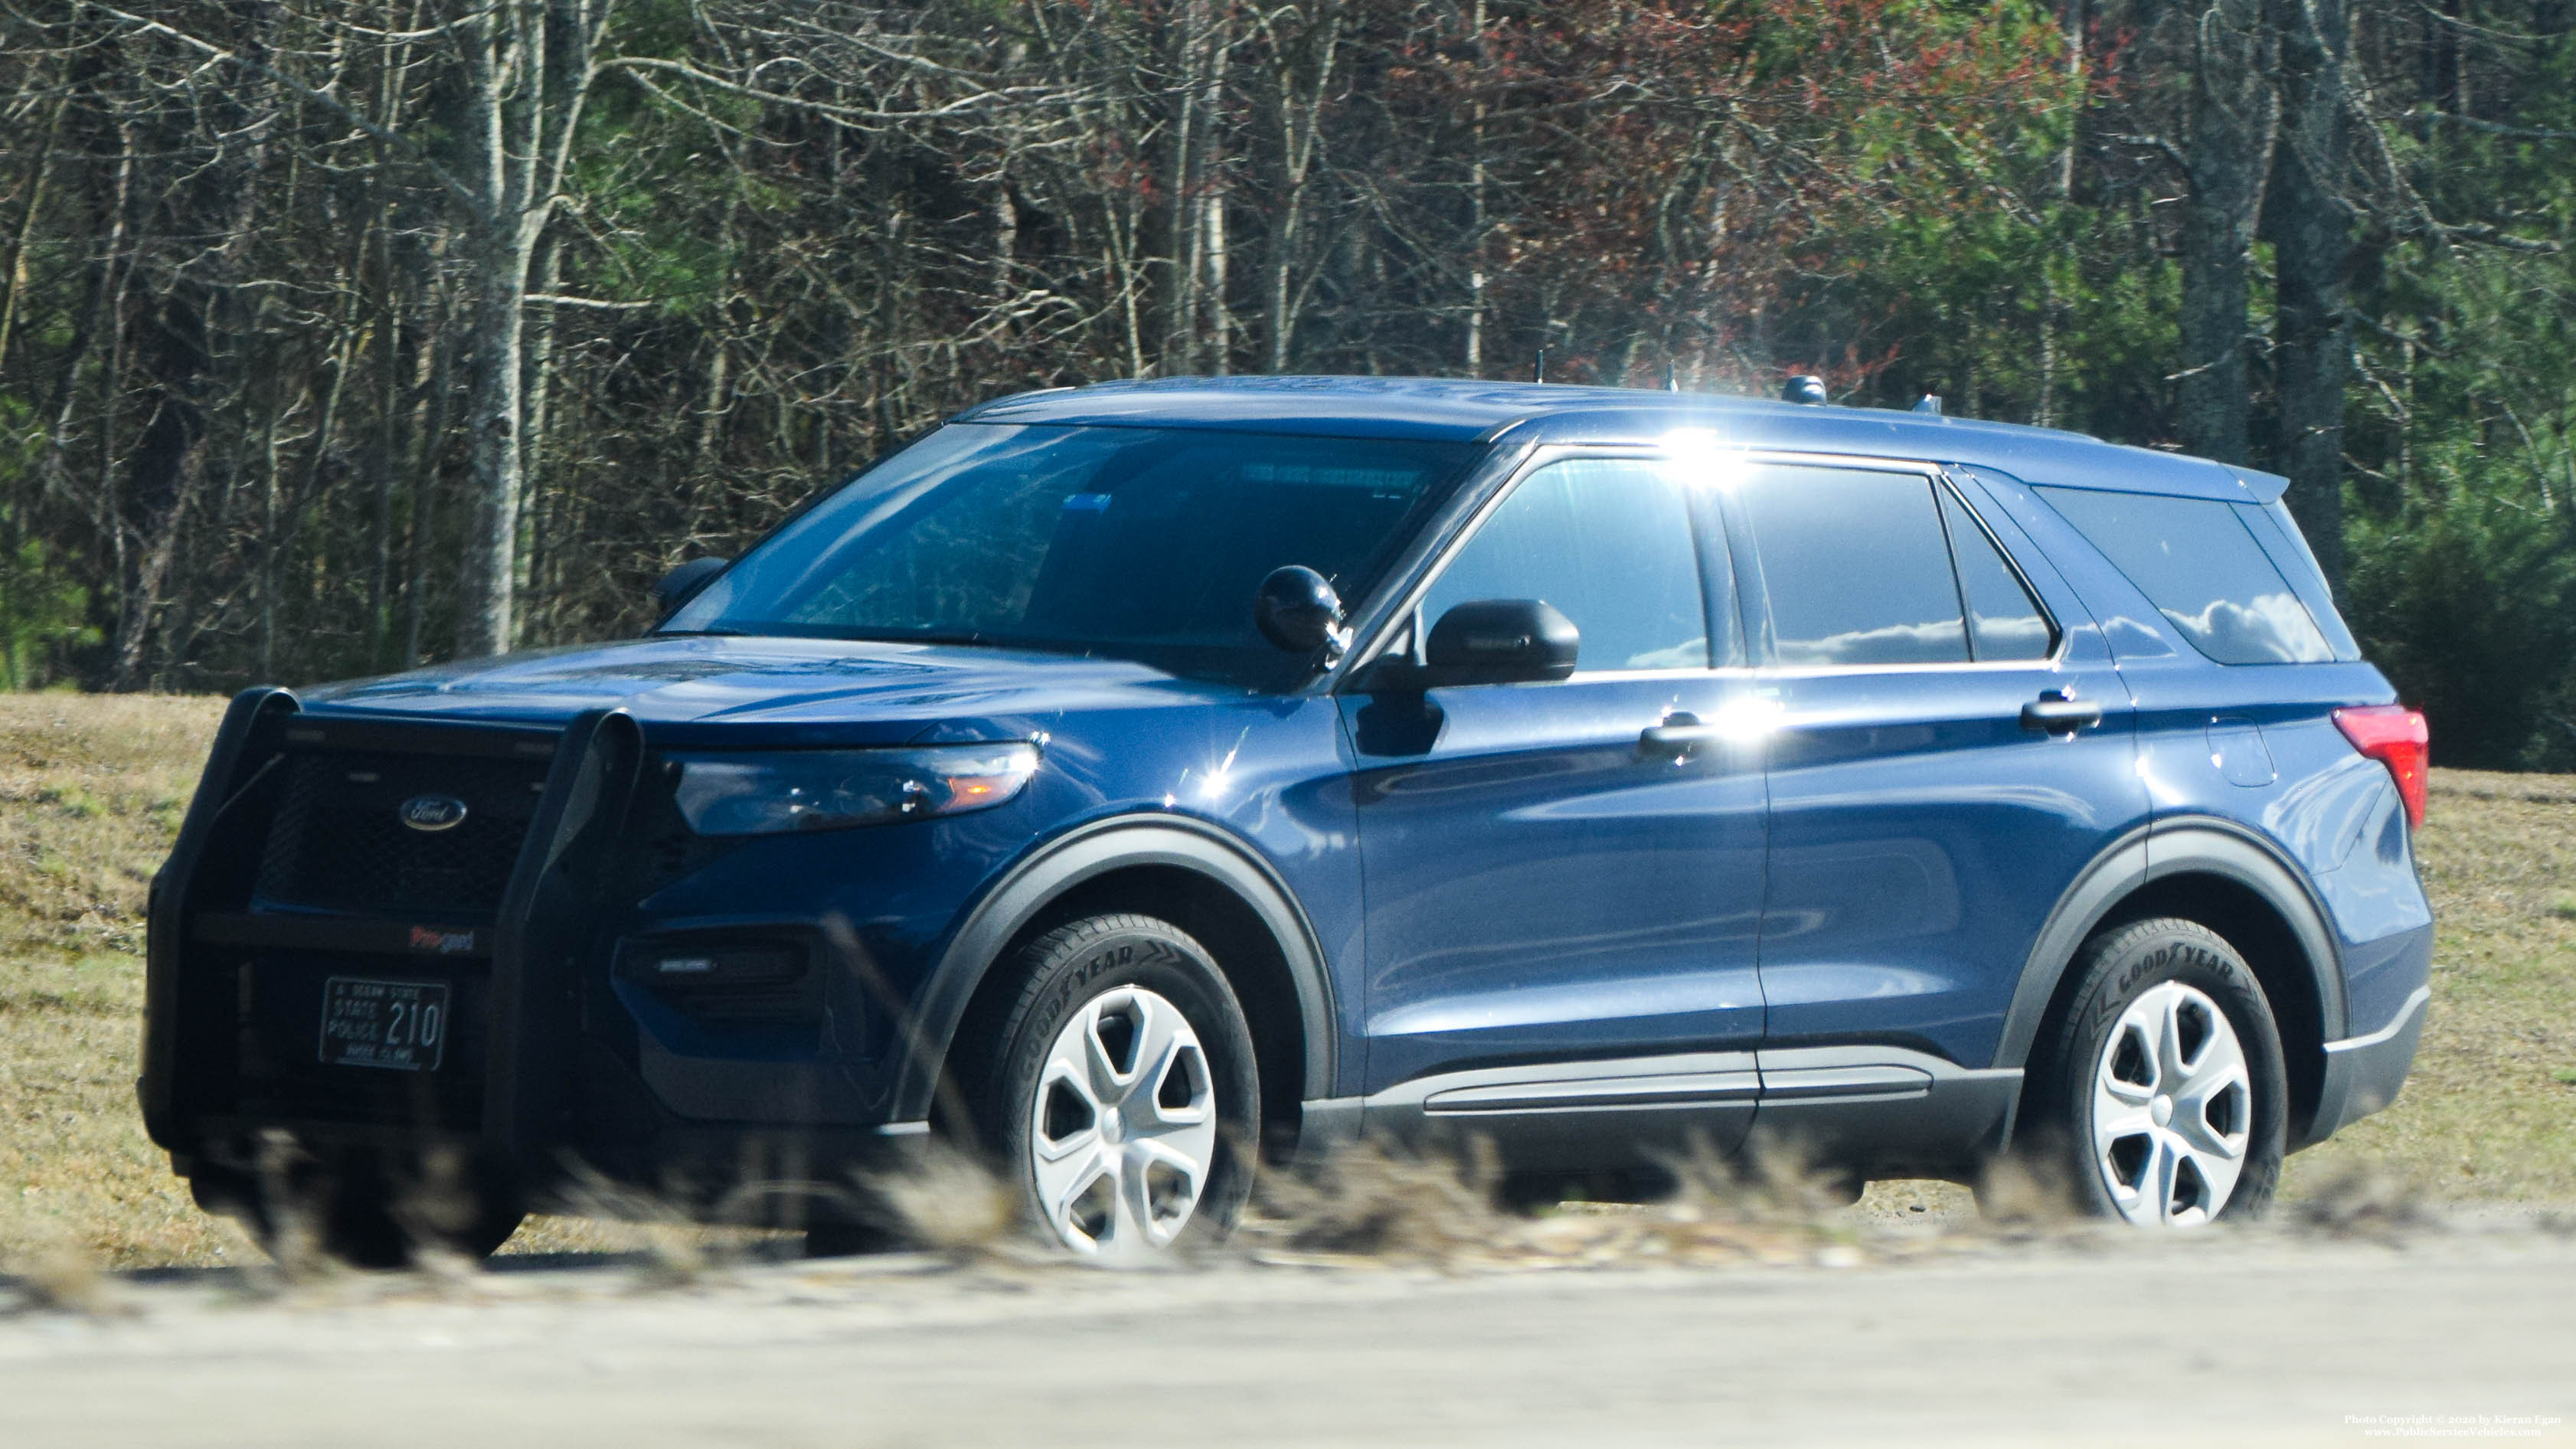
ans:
x=696 y=688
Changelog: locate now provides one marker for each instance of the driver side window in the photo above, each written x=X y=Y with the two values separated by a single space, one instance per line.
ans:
x=1609 y=543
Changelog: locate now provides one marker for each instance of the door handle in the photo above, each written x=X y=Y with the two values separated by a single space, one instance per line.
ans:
x=2059 y=712
x=1674 y=739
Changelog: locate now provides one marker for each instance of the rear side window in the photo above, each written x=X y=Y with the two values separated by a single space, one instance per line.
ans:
x=2278 y=532
x=2004 y=621
x=2194 y=559
x=1856 y=566
x=1609 y=543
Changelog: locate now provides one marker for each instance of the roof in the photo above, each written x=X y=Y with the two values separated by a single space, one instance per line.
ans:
x=1465 y=410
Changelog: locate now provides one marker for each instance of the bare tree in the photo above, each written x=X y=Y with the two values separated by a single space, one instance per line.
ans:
x=2232 y=114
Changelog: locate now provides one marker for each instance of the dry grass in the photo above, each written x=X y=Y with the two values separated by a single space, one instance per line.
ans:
x=91 y=789
x=1370 y=1203
x=2490 y=1112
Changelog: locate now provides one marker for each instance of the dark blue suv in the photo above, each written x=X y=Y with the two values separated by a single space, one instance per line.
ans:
x=1147 y=781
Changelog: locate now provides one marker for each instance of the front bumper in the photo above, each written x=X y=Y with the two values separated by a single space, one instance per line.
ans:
x=543 y=1067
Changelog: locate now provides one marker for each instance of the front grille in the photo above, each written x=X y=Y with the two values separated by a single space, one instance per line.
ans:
x=339 y=841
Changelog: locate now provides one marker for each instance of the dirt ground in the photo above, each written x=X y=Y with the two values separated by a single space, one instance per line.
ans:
x=2227 y=1338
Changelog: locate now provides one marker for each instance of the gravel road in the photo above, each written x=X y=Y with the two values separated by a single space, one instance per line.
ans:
x=2261 y=1338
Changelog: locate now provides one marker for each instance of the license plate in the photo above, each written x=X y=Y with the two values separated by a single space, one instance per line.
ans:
x=399 y=1025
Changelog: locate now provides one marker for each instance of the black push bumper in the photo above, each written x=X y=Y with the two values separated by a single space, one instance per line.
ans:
x=520 y=965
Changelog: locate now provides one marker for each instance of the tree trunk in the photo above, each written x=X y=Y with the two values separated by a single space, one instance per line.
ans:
x=218 y=201
x=499 y=307
x=2310 y=226
x=2231 y=127
x=524 y=98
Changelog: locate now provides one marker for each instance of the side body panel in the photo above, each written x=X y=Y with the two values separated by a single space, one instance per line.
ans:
x=2255 y=746
x=1921 y=833
x=1540 y=888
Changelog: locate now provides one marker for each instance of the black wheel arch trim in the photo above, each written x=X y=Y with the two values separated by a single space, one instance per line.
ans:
x=1086 y=853
x=2180 y=845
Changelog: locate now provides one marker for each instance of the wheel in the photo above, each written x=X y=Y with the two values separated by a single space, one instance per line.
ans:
x=1122 y=1095
x=2161 y=1098
x=840 y=1239
x=358 y=1216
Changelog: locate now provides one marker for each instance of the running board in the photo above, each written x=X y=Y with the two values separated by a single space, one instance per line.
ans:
x=1883 y=1109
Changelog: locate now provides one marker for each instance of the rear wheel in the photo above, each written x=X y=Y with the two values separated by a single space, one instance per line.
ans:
x=1123 y=1093
x=2161 y=1098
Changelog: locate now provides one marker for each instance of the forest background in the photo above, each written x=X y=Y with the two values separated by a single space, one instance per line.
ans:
x=339 y=335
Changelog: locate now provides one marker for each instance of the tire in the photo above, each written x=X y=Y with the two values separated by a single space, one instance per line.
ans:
x=2160 y=1097
x=358 y=1216
x=1122 y=1096
x=838 y=1239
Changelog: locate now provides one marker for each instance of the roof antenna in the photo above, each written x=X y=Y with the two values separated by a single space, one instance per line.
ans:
x=1930 y=402
x=1672 y=380
x=1538 y=372
x=1806 y=387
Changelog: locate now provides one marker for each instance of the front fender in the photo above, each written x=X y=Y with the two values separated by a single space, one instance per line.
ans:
x=1086 y=853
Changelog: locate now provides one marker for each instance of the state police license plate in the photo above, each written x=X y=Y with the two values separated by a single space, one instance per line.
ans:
x=400 y=1025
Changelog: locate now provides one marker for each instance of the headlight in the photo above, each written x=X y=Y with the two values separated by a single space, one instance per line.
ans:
x=765 y=794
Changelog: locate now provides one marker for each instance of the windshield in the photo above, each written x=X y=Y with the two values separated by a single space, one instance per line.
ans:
x=1139 y=543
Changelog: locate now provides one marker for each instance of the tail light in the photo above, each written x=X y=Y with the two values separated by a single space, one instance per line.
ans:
x=2395 y=736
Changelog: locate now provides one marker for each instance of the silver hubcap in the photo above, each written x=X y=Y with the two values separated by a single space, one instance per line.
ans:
x=1124 y=1128
x=2173 y=1108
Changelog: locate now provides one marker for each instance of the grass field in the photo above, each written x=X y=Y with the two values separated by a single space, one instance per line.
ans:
x=92 y=788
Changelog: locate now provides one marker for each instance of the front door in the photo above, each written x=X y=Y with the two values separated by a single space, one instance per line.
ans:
x=1562 y=913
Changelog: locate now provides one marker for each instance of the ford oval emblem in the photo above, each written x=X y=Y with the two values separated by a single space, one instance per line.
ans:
x=433 y=812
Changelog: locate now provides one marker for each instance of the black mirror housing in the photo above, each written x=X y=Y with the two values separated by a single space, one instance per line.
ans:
x=682 y=584
x=1501 y=641
x=1298 y=612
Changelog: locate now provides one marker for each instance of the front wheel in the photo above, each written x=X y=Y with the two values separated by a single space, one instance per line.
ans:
x=2161 y=1097
x=1123 y=1093
x=356 y=1213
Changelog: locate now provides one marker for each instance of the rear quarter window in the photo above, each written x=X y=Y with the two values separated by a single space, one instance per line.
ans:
x=2195 y=560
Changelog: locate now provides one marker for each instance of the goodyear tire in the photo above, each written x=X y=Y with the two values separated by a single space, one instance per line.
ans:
x=1122 y=1093
x=2161 y=1097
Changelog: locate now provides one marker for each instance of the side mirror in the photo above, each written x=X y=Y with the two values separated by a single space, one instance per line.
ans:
x=682 y=583
x=1501 y=641
x=1297 y=611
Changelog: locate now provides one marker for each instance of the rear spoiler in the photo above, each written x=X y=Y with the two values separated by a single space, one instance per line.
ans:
x=2265 y=487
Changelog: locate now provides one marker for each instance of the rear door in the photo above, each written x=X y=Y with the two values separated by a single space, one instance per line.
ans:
x=1951 y=747
x=1560 y=920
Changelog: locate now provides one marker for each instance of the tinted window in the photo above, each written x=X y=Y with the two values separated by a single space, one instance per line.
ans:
x=2004 y=621
x=1608 y=542
x=1143 y=543
x=2274 y=528
x=2193 y=558
x=1856 y=567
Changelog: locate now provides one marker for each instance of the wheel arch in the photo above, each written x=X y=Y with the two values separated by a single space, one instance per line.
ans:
x=2228 y=879
x=1191 y=873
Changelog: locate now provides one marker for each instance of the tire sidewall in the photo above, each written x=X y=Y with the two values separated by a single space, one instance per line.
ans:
x=2124 y=965
x=1069 y=968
